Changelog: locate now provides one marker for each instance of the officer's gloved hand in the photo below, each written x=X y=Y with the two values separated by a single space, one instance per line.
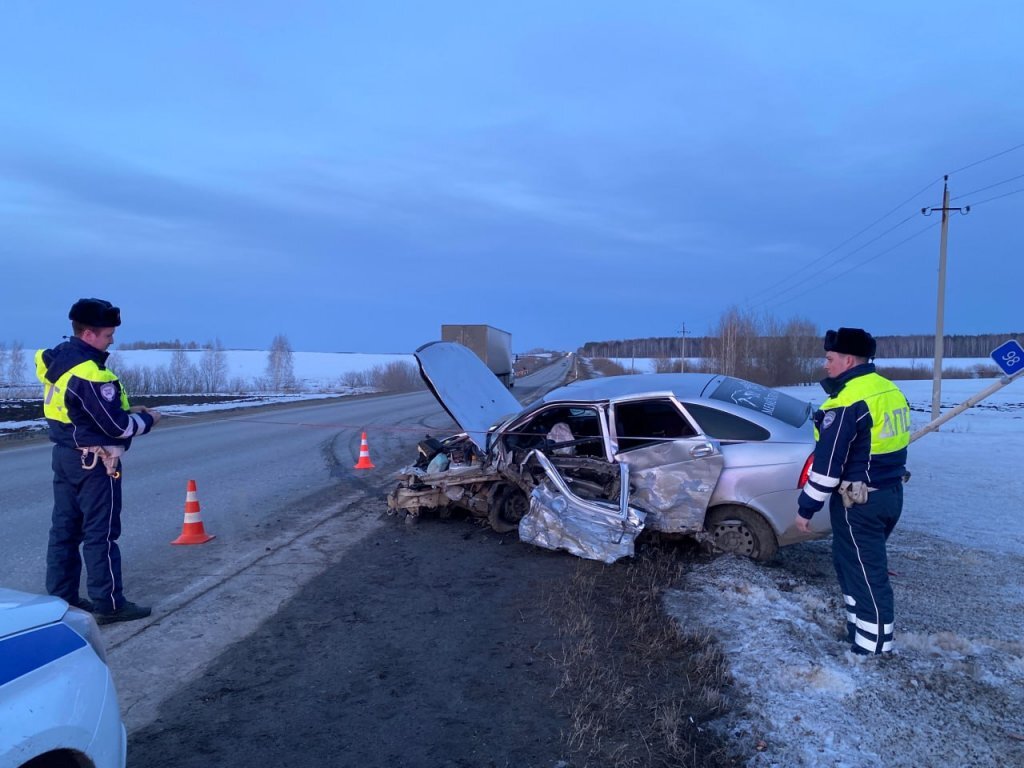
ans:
x=853 y=493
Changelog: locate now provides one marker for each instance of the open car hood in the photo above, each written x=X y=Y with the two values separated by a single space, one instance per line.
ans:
x=466 y=388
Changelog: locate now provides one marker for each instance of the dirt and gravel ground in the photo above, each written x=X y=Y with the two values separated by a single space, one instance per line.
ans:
x=440 y=644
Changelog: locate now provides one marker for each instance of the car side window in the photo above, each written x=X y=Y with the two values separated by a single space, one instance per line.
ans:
x=722 y=425
x=647 y=422
x=565 y=430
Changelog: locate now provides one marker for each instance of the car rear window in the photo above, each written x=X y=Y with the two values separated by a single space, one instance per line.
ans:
x=725 y=426
x=763 y=399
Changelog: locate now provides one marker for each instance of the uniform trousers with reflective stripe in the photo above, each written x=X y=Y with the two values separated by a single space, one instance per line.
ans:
x=86 y=514
x=862 y=567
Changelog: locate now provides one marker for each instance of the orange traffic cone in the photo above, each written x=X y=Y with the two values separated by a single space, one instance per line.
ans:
x=192 y=532
x=364 y=456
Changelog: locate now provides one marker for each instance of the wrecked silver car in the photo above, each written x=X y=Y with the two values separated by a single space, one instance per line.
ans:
x=589 y=466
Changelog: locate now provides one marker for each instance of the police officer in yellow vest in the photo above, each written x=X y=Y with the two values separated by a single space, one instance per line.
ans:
x=91 y=425
x=862 y=432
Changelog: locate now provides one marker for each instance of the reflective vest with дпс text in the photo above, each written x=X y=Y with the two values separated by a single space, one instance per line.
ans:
x=54 y=391
x=890 y=414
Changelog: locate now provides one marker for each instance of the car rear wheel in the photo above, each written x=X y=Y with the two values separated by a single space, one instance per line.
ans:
x=741 y=531
x=509 y=506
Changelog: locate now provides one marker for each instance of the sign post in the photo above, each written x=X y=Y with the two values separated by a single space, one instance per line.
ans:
x=1009 y=356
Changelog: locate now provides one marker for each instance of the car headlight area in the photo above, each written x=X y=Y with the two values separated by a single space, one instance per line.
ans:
x=58 y=703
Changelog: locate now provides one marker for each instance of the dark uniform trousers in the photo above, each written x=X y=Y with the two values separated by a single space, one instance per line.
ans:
x=86 y=512
x=858 y=552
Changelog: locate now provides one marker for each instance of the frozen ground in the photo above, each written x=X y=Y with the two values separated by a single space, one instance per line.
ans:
x=953 y=693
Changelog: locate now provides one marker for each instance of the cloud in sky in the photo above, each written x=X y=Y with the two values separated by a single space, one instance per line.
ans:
x=354 y=177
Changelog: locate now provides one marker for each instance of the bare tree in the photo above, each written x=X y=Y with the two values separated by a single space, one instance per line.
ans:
x=133 y=379
x=786 y=351
x=733 y=348
x=184 y=376
x=280 y=365
x=3 y=363
x=213 y=368
x=806 y=351
x=16 y=364
x=160 y=381
x=396 y=376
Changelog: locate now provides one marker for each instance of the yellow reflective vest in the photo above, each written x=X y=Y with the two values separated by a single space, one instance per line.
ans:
x=54 y=391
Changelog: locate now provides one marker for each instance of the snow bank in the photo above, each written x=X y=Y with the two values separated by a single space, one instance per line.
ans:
x=953 y=693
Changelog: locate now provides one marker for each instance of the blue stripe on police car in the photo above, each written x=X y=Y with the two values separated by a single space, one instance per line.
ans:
x=24 y=653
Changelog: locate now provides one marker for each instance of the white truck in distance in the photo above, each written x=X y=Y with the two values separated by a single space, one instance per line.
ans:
x=491 y=345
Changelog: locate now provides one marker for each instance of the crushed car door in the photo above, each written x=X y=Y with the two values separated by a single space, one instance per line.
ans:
x=592 y=529
x=673 y=467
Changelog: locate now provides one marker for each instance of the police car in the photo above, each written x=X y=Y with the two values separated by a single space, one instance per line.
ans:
x=58 y=705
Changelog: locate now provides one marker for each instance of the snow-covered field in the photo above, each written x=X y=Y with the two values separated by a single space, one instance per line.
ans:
x=317 y=374
x=953 y=693
x=313 y=370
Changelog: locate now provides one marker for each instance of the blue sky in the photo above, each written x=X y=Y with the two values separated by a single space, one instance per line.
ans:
x=353 y=174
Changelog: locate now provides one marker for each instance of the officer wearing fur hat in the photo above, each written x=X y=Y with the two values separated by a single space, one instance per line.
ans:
x=862 y=432
x=91 y=424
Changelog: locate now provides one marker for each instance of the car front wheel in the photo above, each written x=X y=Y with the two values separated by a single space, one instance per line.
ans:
x=509 y=506
x=741 y=531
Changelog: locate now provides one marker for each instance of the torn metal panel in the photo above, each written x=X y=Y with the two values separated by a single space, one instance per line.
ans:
x=469 y=486
x=674 y=481
x=559 y=519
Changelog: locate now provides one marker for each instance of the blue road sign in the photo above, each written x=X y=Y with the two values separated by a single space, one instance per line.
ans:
x=1009 y=356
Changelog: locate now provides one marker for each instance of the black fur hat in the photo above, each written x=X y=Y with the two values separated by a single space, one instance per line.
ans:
x=850 y=341
x=95 y=313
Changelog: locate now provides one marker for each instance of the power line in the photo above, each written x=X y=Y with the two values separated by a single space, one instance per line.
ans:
x=790 y=285
x=990 y=157
x=990 y=186
x=997 y=197
x=785 y=280
x=862 y=263
x=881 y=218
x=814 y=274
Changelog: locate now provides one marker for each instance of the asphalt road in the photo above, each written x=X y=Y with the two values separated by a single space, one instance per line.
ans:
x=276 y=487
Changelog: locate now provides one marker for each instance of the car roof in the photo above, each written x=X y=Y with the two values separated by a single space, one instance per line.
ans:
x=682 y=385
x=786 y=419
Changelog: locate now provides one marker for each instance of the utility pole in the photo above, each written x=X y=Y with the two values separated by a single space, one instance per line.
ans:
x=682 y=357
x=937 y=365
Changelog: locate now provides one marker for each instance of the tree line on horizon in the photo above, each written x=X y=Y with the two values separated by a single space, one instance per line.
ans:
x=916 y=346
x=774 y=352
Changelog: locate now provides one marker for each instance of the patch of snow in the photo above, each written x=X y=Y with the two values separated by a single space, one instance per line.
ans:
x=953 y=692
